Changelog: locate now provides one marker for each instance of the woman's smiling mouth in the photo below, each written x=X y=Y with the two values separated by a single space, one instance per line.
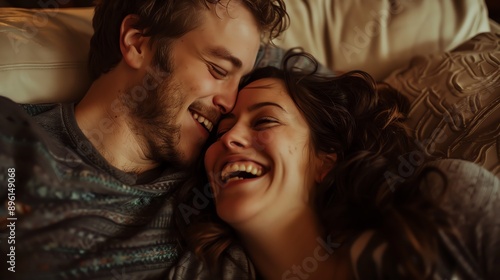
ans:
x=240 y=170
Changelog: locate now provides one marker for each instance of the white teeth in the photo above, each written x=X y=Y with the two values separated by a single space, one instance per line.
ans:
x=248 y=167
x=256 y=172
x=235 y=167
x=208 y=124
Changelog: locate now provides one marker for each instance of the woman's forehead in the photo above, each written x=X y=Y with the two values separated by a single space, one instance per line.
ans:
x=266 y=90
x=264 y=87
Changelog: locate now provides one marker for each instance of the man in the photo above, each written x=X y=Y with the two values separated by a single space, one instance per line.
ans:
x=91 y=184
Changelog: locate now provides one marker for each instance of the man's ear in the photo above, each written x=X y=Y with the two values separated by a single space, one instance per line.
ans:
x=325 y=164
x=132 y=43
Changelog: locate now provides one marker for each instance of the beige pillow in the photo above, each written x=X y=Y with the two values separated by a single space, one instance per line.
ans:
x=43 y=53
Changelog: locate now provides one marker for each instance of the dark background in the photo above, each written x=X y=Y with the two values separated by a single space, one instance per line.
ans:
x=494 y=9
x=34 y=3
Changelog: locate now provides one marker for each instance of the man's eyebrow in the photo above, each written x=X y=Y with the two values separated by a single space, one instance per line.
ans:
x=223 y=53
x=253 y=108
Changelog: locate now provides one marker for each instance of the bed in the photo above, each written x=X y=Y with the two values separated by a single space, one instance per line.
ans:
x=443 y=55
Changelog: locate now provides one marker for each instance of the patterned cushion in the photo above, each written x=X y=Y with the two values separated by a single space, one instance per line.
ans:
x=455 y=96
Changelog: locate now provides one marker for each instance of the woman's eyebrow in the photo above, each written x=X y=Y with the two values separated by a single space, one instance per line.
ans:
x=263 y=104
x=253 y=108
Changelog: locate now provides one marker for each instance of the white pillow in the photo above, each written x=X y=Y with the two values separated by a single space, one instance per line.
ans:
x=379 y=36
x=43 y=53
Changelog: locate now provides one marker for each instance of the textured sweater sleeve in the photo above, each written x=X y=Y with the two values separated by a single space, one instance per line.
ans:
x=474 y=201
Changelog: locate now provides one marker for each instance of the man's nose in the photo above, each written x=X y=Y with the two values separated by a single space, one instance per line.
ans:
x=226 y=98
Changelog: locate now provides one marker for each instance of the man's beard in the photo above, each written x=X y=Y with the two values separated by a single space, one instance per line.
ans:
x=153 y=121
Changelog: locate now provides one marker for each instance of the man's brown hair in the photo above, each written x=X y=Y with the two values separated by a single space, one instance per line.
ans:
x=164 y=21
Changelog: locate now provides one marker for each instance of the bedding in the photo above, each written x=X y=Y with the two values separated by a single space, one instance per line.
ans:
x=380 y=36
x=455 y=101
x=44 y=51
x=452 y=80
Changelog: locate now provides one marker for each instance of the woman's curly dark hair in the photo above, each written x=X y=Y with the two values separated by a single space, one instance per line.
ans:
x=363 y=122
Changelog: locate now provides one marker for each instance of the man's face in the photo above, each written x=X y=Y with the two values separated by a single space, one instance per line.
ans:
x=206 y=65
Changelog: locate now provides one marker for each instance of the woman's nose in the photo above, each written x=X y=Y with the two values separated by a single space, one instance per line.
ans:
x=237 y=137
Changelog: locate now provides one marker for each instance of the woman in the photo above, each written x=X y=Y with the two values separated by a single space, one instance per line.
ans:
x=316 y=178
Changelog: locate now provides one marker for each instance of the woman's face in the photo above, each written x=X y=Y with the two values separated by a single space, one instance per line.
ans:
x=262 y=165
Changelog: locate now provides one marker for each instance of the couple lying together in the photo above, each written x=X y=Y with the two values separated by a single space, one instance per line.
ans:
x=315 y=177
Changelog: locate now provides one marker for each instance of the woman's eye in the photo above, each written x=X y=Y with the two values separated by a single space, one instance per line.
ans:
x=259 y=124
x=265 y=122
x=217 y=72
